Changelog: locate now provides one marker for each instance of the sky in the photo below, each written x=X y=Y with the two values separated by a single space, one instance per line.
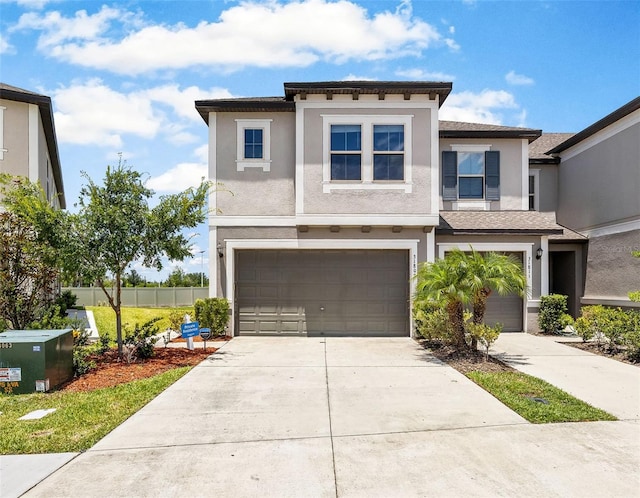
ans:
x=123 y=76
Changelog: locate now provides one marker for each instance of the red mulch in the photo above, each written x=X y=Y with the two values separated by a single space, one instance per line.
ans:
x=111 y=371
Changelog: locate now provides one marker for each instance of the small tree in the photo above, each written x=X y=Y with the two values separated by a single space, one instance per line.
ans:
x=32 y=249
x=485 y=335
x=27 y=279
x=116 y=226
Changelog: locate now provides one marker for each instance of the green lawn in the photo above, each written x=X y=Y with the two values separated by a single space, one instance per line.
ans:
x=81 y=419
x=106 y=317
x=517 y=390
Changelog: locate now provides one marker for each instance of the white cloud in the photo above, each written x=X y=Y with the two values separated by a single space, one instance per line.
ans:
x=93 y=113
x=518 y=79
x=262 y=34
x=420 y=74
x=5 y=46
x=353 y=77
x=484 y=107
x=57 y=29
x=179 y=178
x=202 y=153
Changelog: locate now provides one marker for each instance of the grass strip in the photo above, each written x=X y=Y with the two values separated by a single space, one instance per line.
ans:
x=106 y=317
x=524 y=394
x=81 y=418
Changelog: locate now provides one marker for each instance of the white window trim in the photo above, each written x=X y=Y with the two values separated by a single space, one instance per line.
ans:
x=536 y=189
x=366 y=122
x=265 y=162
x=2 y=149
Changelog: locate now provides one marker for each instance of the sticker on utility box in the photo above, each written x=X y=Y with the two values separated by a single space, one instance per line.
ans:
x=36 y=349
x=10 y=374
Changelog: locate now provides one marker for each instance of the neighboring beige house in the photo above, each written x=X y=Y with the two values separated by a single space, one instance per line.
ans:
x=599 y=197
x=339 y=190
x=28 y=145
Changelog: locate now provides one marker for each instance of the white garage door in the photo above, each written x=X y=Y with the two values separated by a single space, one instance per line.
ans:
x=328 y=292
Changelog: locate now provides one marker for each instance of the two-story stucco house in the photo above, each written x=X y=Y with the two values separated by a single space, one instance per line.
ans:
x=598 y=189
x=337 y=191
x=28 y=145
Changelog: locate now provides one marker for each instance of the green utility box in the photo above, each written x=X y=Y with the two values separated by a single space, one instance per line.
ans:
x=35 y=360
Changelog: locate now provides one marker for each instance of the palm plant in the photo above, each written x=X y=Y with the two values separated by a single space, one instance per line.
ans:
x=446 y=280
x=491 y=272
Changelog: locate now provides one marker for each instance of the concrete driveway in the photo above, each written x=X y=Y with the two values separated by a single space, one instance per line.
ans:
x=343 y=417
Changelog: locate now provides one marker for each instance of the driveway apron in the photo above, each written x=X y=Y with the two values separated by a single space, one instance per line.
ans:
x=296 y=417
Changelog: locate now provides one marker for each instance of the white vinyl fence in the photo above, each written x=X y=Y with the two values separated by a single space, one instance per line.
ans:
x=142 y=297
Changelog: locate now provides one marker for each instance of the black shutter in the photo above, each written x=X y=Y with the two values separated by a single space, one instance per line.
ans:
x=449 y=175
x=492 y=175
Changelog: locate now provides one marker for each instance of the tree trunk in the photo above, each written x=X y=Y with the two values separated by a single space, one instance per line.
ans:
x=479 y=309
x=118 y=309
x=455 y=311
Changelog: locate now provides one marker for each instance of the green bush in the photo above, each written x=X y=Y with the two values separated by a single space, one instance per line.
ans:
x=619 y=328
x=141 y=340
x=212 y=313
x=432 y=321
x=485 y=335
x=81 y=360
x=552 y=309
x=635 y=296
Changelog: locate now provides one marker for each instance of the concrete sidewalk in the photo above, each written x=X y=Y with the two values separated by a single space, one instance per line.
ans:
x=602 y=382
x=343 y=417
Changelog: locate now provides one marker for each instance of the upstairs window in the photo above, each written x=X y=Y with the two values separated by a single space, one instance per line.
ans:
x=471 y=175
x=346 y=152
x=253 y=143
x=388 y=152
x=367 y=152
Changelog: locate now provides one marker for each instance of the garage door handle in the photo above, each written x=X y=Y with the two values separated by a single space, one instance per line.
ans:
x=321 y=308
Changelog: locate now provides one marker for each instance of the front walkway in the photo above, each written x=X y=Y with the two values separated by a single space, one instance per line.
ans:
x=296 y=417
x=602 y=382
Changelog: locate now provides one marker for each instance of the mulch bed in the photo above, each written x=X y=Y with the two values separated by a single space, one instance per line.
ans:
x=111 y=370
x=601 y=350
x=465 y=361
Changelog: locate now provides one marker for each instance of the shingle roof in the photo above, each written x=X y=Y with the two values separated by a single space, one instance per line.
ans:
x=9 y=92
x=460 y=129
x=503 y=222
x=538 y=148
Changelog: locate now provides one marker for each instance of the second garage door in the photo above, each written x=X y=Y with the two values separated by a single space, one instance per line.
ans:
x=507 y=310
x=328 y=292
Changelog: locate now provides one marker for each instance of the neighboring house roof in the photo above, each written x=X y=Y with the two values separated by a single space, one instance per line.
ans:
x=43 y=102
x=616 y=115
x=380 y=88
x=498 y=222
x=539 y=147
x=460 y=129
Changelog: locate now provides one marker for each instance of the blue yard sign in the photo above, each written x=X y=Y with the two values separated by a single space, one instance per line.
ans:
x=190 y=329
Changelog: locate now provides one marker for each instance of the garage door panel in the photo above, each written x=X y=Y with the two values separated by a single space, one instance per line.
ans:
x=363 y=292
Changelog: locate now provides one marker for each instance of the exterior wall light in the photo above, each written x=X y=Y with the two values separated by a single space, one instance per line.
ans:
x=539 y=253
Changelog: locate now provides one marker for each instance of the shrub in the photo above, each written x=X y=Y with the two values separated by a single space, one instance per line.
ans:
x=213 y=313
x=431 y=321
x=81 y=360
x=635 y=296
x=552 y=309
x=140 y=341
x=485 y=335
x=619 y=328
x=175 y=318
